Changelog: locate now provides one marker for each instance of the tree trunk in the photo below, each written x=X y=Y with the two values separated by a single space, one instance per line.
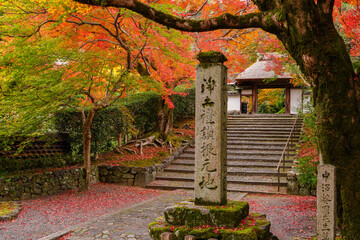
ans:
x=325 y=61
x=119 y=140
x=87 y=146
x=165 y=119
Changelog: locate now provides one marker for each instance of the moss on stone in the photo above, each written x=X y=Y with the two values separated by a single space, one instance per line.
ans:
x=174 y=140
x=206 y=232
x=211 y=57
x=203 y=233
x=231 y=221
x=157 y=228
x=229 y=215
x=244 y=234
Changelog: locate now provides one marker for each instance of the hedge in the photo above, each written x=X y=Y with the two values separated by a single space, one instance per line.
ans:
x=23 y=153
x=140 y=109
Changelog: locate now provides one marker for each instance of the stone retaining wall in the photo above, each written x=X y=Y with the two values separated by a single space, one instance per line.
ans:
x=50 y=183
x=41 y=184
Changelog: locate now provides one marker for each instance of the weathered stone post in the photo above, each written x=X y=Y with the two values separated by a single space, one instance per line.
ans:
x=210 y=129
x=326 y=203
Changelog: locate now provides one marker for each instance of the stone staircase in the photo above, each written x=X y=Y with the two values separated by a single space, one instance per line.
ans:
x=255 y=145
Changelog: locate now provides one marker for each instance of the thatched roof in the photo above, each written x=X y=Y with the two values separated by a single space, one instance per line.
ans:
x=258 y=71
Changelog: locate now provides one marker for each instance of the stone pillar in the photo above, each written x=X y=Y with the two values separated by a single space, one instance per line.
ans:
x=326 y=203
x=210 y=129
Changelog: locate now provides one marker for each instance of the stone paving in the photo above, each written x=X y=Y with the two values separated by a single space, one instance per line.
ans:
x=129 y=224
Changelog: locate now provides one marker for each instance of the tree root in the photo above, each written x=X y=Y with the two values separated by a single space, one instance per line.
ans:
x=122 y=150
x=180 y=133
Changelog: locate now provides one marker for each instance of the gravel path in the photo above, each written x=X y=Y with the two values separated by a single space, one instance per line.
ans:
x=47 y=215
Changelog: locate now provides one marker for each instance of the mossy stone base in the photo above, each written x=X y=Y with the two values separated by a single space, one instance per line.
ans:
x=189 y=214
x=253 y=227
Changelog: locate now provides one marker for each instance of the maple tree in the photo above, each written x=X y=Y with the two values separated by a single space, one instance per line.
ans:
x=44 y=76
x=306 y=29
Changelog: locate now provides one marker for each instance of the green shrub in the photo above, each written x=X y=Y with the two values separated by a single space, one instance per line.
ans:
x=138 y=112
x=308 y=160
x=307 y=168
x=184 y=106
x=18 y=164
x=29 y=152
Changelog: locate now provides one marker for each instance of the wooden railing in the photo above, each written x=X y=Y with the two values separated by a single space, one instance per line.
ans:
x=286 y=150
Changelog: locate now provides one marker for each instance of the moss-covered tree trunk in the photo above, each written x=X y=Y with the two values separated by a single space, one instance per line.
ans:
x=165 y=118
x=87 y=121
x=314 y=43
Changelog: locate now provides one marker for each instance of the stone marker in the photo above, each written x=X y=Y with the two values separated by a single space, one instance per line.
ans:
x=326 y=203
x=210 y=129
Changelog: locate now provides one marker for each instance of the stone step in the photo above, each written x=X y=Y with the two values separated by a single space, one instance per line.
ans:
x=255 y=124
x=232 y=171
x=258 y=143
x=241 y=164
x=265 y=148
x=248 y=152
x=259 y=129
x=263 y=119
x=260 y=121
x=255 y=143
x=257 y=146
x=241 y=158
x=263 y=116
x=267 y=140
x=241 y=188
x=267 y=121
x=260 y=117
x=266 y=130
x=265 y=124
x=256 y=132
x=235 y=179
x=259 y=136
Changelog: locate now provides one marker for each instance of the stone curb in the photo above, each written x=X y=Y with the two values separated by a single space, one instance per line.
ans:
x=14 y=213
x=59 y=234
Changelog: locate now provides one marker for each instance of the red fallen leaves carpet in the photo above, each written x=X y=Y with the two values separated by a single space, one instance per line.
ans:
x=47 y=215
x=291 y=217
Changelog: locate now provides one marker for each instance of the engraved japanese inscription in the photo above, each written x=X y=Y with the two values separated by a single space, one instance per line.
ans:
x=210 y=140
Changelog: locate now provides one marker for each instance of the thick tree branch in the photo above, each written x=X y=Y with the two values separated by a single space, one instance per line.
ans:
x=264 y=20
